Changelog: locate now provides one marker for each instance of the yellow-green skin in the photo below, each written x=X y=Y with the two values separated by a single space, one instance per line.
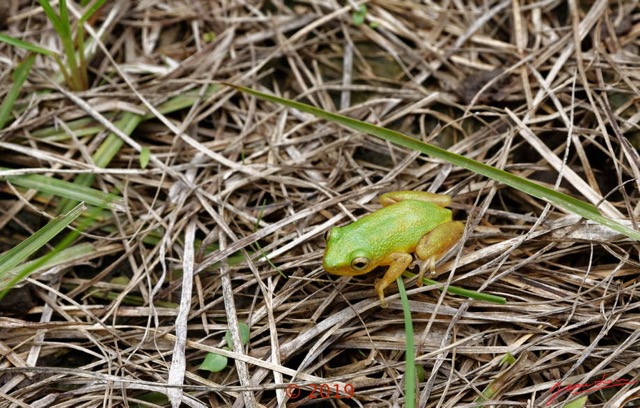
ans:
x=410 y=222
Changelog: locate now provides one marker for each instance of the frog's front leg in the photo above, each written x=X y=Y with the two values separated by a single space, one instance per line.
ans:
x=433 y=245
x=398 y=263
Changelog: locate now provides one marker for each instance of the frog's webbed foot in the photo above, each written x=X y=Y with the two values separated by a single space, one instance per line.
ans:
x=423 y=265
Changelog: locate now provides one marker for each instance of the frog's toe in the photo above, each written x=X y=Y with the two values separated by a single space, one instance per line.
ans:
x=380 y=290
x=423 y=265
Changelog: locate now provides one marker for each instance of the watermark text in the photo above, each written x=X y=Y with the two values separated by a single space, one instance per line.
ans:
x=580 y=388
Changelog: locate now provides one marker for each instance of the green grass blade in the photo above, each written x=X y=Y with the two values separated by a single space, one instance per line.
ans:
x=88 y=126
x=485 y=297
x=184 y=100
x=64 y=31
x=64 y=243
x=127 y=124
x=498 y=383
x=61 y=188
x=78 y=127
x=26 y=45
x=83 y=62
x=64 y=14
x=38 y=50
x=104 y=154
x=91 y=11
x=19 y=77
x=29 y=246
x=51 y=13
x=556 y=198
x=62 y=26
x=75 y=253
x=410 y=350
x=145 y=156
x=112 y=144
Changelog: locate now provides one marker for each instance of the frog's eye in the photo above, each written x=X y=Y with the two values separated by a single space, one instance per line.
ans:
x=360 y=263
x=327 y=235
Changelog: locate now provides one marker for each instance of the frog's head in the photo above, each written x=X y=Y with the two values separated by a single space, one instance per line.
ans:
x=342 y=258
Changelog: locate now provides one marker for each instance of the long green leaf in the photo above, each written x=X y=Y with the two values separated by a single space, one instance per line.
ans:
x=556 y=198
x=29 y=246
x=26 y=45
x=61 y=188
x=72 y=254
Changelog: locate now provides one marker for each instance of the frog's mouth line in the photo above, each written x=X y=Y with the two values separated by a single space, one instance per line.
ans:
x=346 y=270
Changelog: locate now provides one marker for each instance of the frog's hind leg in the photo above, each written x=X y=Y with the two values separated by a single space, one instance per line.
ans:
x=433 y=245
x=441 y=200
x=398 y=263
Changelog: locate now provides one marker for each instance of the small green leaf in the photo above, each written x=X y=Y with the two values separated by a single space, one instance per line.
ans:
x=156 y=398
x=508 y=359
x=244 y=334
x=145 y=155
x=579 y=403
x=209 y=37
x=214 y=362
x=120 y=280
x=359 y=15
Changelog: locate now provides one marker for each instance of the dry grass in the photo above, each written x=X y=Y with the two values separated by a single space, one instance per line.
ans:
x=537 y=88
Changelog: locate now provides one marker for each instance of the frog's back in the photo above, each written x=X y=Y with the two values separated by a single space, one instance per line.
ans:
x=399 y=227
